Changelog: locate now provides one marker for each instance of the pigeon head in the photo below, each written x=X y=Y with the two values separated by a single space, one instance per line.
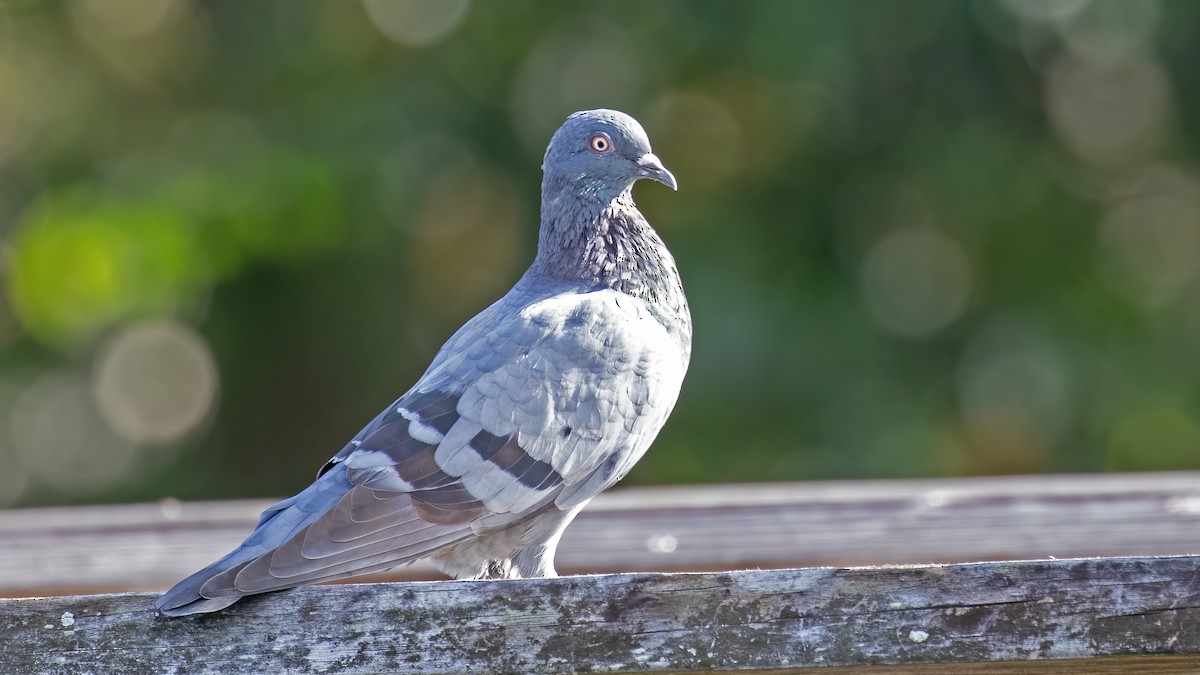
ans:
x=601 y=153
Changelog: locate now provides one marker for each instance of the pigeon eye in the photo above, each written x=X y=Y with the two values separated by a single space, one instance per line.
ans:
x=600 y=143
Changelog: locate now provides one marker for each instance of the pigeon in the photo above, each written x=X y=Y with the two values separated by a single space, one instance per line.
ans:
x=532 y=408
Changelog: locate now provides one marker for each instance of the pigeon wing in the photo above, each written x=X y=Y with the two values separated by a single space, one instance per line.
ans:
x=530 y=406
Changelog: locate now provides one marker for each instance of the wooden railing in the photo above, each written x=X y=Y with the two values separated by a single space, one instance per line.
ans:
x=866 y=593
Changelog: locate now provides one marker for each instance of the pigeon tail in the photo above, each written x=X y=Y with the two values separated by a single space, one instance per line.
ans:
x=278 y=524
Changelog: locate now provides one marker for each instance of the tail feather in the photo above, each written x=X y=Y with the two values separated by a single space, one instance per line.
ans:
x=278 y=524
x=258 y=576
x=331 y=530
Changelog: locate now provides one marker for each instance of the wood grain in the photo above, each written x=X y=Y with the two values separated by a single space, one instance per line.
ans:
x=701 y=528
x=1095 y=615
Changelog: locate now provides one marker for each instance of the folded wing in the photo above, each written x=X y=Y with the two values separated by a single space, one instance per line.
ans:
x=524 y=410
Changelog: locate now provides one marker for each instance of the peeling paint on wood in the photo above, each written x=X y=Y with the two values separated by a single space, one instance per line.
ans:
x=1113 y=612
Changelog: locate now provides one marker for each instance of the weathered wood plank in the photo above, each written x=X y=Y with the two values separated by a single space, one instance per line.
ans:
x=1000 y=616
x=1116 y=665
x=703 y=528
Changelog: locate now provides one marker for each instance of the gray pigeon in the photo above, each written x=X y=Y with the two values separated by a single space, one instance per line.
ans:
x=530 y=410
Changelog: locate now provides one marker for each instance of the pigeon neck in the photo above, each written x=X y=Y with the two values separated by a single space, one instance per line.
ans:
x=602 y=242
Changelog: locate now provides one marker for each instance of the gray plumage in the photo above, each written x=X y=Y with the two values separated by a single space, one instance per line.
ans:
x=530 y=410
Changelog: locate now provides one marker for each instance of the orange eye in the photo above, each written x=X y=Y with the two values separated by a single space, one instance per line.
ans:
x=600 y=143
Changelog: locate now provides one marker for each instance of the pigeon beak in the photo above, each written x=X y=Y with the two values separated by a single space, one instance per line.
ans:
x=652 y=168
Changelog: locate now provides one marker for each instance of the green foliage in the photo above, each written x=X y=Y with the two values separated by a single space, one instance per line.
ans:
x=84 y=259
x=920 y=237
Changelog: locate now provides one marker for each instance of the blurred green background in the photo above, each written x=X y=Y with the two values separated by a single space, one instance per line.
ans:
x=920 y=238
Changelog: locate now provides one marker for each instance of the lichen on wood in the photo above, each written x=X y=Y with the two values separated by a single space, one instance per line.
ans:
x=925 y=617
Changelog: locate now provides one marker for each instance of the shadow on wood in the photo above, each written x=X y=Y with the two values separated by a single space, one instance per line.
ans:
x=1099 y=615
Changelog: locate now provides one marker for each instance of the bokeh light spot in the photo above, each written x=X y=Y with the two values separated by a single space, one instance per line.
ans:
x=1150 y=238
x=1044 y=11
x=1009 y=371
x=143 y=43
x=78 y=265
x=65 y=279
x=17 y=114
x=572 y=71
x=59 y=437
x=120 y=19
x=701 y=137
x=463 y=248
x=1109 y=114
x=916 y=282
x=1109 y=31
x=405 y=176
x=416 y=23
x=155 y=382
